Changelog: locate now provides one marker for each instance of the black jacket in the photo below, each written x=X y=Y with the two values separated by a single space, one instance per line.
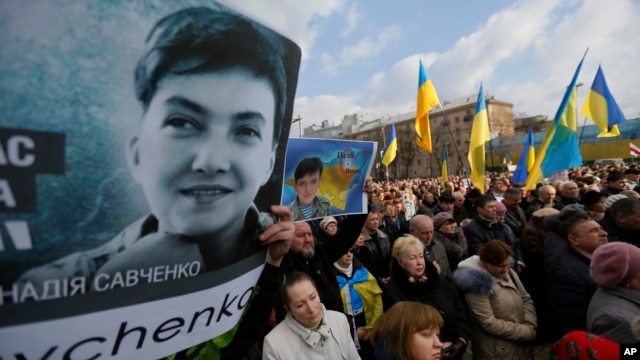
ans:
x=569 y=286
x=436 y=292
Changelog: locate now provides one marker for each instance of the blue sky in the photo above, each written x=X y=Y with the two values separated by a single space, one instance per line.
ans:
x=362 y=56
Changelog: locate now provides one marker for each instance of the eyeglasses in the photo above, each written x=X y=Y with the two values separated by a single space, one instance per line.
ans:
x=353 y=250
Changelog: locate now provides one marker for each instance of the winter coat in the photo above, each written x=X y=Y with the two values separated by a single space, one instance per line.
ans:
x=569 y=287
x=516 y=222
x=455 y=246
x=611 y=311
x=437 y=252
x=501 y=311
x=291 y=340
x=480 y=231
x=375 y=254
x=436 y=291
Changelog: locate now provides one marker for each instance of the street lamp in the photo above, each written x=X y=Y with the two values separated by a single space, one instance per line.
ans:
x=298 y=119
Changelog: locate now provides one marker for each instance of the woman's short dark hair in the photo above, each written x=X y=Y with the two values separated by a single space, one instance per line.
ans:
x=201 y=39
x=308 y=166
x=290 y=280
x=494 y=252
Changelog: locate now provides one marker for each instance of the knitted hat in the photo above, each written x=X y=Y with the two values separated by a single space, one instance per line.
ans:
x=441 y=218
x=615 y=264
x=570 y=210
x=326 y=221
x=500 y=208
x=591 y=197
x=612 y=199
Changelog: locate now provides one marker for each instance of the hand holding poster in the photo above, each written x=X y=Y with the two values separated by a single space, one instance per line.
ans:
x=144 y=239
x=326 y=177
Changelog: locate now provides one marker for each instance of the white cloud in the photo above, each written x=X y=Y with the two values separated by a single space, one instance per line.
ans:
x=352 y=16
x=366 y=48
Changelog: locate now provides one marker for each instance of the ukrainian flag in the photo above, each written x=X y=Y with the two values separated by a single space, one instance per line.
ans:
x=479 y=135
x=427 y=100
x=506 y=160
x=601 y=107
x=559 y=150
x=392 y=147
x=527 y=160
x=445 y=170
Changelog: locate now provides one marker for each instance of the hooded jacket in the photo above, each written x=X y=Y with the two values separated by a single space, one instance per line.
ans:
x=501 y=311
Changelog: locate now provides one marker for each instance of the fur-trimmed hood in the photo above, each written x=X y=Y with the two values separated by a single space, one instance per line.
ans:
x=471 y=276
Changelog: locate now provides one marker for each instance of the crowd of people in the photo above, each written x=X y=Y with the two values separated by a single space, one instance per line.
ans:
x=469 y=274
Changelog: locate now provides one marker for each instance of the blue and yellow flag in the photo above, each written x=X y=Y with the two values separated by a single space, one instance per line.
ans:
x=445 y=170
x=427 y=100
x=392 y=147
x=601 y=107
x=506 y=160
x=559 y=150
x=479 y=135
x=527 y=160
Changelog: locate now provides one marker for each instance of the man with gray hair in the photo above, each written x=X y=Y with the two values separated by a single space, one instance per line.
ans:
x=569 y=194
x=546 y=199
x=421 y=227
x=622 y=221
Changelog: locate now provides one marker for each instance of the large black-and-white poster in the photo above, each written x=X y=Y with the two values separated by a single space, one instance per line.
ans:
x=141 y=146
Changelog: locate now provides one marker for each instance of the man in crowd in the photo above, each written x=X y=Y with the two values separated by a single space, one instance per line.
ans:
x=616 y=183
x=486 y=227
x=421 y=227
x=375 y=254
x=515 y=217
x=569 y=194
x=546 y=198
x=632 y=175
x=498 y=187
x=569 y=285
x=445 y=204
x=622 y=220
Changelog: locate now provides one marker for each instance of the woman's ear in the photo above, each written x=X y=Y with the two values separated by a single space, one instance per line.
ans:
x=133 y=156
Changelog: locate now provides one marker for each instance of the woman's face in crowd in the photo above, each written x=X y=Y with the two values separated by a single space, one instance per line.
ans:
x=448 y=227
x=413 y=262
x=304 y=304
x=331 y=229
x=425 y=344
x=499 y=270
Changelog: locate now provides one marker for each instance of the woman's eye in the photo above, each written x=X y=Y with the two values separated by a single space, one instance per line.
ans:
x=248 y=131
x=179 y=122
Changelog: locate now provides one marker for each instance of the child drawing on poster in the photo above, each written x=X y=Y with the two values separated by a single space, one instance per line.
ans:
x=325 y=177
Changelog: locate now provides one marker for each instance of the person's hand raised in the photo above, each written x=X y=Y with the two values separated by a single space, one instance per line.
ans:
x=279 y=235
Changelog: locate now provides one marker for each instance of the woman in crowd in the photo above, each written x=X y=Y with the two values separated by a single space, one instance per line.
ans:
x=309 y=331
x=449 y=235
x=362 y=299
x=408 y=331
x=414 y=279
x=615 y=267
x=502 y=314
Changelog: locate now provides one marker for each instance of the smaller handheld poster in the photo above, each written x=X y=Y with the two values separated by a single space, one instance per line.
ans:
x=326 y=177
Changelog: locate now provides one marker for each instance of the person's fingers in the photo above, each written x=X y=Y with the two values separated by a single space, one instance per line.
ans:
x=284 y=227
x=283 y=212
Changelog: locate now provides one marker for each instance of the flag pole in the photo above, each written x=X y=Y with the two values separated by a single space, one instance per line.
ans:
x=584 y=124
x=455 y=146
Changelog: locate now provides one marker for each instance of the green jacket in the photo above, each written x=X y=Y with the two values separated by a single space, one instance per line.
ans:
x=321 y=208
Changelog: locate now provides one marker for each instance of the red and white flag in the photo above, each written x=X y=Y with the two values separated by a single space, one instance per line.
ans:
x=634 y=150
